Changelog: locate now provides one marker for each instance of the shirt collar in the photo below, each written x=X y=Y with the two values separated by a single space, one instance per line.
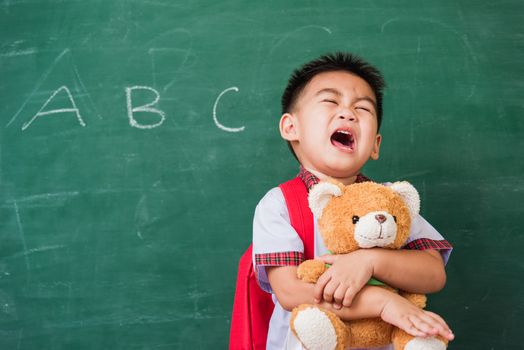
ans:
x=311 y=179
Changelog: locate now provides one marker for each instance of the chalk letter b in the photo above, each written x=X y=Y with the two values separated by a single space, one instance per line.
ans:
x=143 y=108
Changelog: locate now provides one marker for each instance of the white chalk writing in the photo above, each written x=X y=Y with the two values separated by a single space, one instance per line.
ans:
x=143 y=108
x=217 y=123
x=56 y=111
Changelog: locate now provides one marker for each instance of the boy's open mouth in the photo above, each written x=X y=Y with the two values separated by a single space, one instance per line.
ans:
x=343 y=139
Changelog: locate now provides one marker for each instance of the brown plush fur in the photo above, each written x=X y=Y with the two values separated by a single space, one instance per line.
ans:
x=369 y=332
x=310 y=270
x=417 y=299
x=358 y=199
x=337 y=230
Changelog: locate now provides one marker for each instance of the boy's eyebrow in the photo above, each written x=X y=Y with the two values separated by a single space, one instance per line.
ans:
x=328 y=91
x=369 y=99
x=338 y=93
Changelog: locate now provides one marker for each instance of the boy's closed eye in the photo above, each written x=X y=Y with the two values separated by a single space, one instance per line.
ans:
x=362 y=108
x=367 y=109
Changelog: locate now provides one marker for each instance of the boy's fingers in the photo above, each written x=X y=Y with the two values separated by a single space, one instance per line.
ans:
x=433 y=323
x=441 y=325
x=411 y=329
x=339 y=295
x=329 y=290
x=348 y=297
x=320 y=285
x=422 y=325
x=437 y=326
x=439 y=319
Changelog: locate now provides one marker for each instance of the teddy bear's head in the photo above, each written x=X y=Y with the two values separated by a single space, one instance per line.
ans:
x=364 y=215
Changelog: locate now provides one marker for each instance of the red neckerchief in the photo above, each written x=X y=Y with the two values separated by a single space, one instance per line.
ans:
x=311 y=179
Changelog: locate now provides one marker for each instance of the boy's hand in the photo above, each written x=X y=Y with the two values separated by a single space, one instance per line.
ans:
x=413 y=320
x=344 y=279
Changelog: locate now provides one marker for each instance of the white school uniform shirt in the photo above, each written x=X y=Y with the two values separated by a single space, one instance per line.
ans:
x=273 y=233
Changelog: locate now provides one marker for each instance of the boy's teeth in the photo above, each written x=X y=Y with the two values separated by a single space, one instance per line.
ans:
x=343 y=138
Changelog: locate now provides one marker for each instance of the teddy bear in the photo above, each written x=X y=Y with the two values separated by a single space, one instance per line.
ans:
x=357 y=216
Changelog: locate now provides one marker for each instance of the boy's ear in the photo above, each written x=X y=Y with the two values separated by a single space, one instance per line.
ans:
x=288 y=127
x=376 y=147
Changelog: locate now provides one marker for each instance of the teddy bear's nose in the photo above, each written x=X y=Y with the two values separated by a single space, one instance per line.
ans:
x=380 y=218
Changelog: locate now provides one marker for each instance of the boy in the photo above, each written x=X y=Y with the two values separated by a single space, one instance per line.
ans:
x=332 y=110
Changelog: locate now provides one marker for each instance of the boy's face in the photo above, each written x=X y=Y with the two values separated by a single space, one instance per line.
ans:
x=333 y=126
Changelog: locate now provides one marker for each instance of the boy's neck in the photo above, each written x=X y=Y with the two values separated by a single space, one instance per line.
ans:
x=345 y=180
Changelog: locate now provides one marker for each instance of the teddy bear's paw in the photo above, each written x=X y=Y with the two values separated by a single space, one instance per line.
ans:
x=310 y=270
x=318 y=329
x=425 y=344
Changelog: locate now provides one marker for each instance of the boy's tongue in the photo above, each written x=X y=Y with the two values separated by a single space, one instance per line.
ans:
x=342 y=139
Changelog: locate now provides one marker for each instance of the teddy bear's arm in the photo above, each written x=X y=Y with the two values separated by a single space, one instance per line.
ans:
x=310 y=270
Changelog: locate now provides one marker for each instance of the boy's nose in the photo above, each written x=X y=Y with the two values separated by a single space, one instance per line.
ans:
x=346 y=114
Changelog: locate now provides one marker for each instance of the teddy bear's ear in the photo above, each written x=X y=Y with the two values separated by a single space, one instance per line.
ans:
x=320 y=195
x=409 y=194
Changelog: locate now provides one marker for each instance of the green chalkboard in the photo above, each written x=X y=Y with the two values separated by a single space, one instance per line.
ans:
x=136 y=138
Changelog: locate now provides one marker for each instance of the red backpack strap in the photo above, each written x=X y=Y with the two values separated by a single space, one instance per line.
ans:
x=296 y=196
x=252 y=307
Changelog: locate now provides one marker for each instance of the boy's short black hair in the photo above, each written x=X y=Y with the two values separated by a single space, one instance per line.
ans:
x=338 y=61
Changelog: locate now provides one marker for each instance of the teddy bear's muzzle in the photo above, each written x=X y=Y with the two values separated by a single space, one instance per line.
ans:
x=375 y=229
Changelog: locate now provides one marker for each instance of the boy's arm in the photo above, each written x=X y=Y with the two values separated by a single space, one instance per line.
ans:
x=370 y=302
x=419 y=269
x=414 y=271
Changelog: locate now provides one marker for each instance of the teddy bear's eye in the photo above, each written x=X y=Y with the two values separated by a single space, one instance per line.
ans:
x=355 y=219
x=395 y=218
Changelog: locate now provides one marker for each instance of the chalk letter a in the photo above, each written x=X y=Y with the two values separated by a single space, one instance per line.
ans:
x=56 y=111
x=143 y=108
